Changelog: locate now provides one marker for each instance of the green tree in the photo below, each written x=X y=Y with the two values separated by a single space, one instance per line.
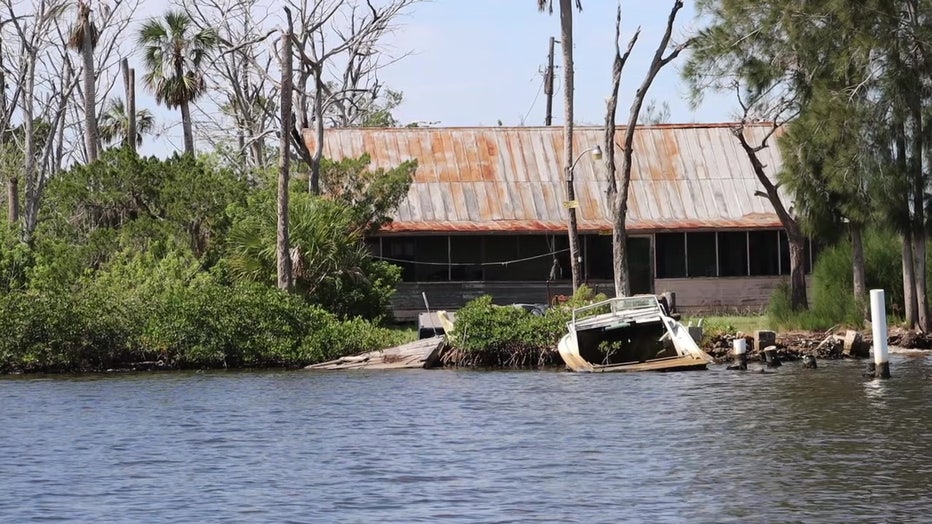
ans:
x=857 y=76
x=175 y=52
x=145 y=204
x=114 y=123
x=331 y=265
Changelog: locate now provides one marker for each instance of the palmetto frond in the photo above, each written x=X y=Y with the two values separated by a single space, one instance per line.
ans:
x=83 y=24
x=174 y=51
x=114 y=123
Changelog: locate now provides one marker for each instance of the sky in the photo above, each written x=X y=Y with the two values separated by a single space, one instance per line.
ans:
x=478 y=62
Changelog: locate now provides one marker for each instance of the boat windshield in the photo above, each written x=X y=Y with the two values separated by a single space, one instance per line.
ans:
x=642 y=302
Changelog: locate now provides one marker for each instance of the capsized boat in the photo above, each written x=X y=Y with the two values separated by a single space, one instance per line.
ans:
x=629 y=334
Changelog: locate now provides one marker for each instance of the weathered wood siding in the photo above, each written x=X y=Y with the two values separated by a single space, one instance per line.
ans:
x=727 y=295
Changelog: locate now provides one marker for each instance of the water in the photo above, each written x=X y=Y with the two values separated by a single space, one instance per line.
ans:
x=465 y=446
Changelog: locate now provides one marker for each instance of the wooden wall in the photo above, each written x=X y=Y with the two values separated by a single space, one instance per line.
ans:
x=734 y=295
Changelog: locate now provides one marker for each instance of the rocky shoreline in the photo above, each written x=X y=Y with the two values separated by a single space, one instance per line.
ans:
x=794 y=345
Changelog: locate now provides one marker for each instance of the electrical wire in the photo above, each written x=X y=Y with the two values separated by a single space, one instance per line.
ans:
x=470 y=264
x=534 y=102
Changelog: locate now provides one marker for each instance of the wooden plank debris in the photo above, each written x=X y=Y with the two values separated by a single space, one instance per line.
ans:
x=422 y=353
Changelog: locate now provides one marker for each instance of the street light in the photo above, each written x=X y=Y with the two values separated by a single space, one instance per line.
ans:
x=571 y=204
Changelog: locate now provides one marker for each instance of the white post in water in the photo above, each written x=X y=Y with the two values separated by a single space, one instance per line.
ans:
x=741 y=354
x=879 y=328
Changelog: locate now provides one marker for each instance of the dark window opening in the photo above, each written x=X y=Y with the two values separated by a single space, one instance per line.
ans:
x=400 y=251
x=466 y=258
x=639 y=265
x=763 y=250
x=700 y=254
x=516 y=258
x=431 y=255
x=671 y=255
x=733 y=254
x=784 y=254
x=598 y=257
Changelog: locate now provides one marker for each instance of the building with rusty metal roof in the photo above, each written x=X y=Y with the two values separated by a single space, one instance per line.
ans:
x=486 y=213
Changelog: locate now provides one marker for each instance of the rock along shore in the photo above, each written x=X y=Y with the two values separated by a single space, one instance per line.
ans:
x=794 y=345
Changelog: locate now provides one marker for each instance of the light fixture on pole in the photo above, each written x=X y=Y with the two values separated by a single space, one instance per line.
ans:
x=571 y=204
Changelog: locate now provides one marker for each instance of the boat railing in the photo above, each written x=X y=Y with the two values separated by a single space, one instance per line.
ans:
x=638 y=305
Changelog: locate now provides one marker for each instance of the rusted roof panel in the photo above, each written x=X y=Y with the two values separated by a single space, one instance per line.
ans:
x=502 y=179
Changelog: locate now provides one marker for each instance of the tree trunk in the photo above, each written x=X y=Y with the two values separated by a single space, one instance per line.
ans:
x=90 y=89
x=857 y=263
x=283 y=245
x=129 y=85
x=29 y=139
x=620 y=203
x=794 y=233
x=187 y=127
x=910 y=309
x=566 y=41
x=12 y=194
x=919 y=203
x=919 y=273
x=314 y=179
x=186 y=124
x=797 y=243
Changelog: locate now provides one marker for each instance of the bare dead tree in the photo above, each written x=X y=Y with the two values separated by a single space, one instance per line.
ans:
x=322 y=45
x=242 y=85
x=48 y=98
x=618 y=187
x=618 y=67
x=778 y=110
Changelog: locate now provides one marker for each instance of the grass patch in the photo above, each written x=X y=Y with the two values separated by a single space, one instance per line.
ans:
x=731 y=324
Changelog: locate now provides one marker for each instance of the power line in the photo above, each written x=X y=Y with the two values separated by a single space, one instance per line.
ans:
x=533 y=102
x=470 y=264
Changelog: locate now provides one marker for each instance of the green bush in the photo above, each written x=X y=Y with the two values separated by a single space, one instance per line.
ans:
x=832 y=302
x=141 y=308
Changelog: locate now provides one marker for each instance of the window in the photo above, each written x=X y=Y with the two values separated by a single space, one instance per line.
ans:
x=671 y=255
x=784 y=254
x=700 y=254
x=639 y=265
x=465 y=256
x=733 y=254
x=430 y=253
x=764 y=252
x=399 y=251
x=598 y=257
x=516 y=258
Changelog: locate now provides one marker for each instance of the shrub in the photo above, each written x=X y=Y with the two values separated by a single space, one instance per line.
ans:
x=832 y=300
x=491 y=335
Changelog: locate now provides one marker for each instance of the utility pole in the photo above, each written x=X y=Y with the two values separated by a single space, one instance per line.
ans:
x=548 y=84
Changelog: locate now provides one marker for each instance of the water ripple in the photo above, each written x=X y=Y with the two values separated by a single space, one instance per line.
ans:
x=798 y=445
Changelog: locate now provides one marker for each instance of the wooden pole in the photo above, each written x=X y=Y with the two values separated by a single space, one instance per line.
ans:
x=548 y=84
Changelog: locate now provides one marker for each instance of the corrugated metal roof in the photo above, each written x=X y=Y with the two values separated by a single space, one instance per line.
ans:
x=501 y=179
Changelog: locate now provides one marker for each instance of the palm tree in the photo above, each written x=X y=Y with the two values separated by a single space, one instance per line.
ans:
x=174 y=50
x=114 y=123
x=83 y=39
x=566 y=40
